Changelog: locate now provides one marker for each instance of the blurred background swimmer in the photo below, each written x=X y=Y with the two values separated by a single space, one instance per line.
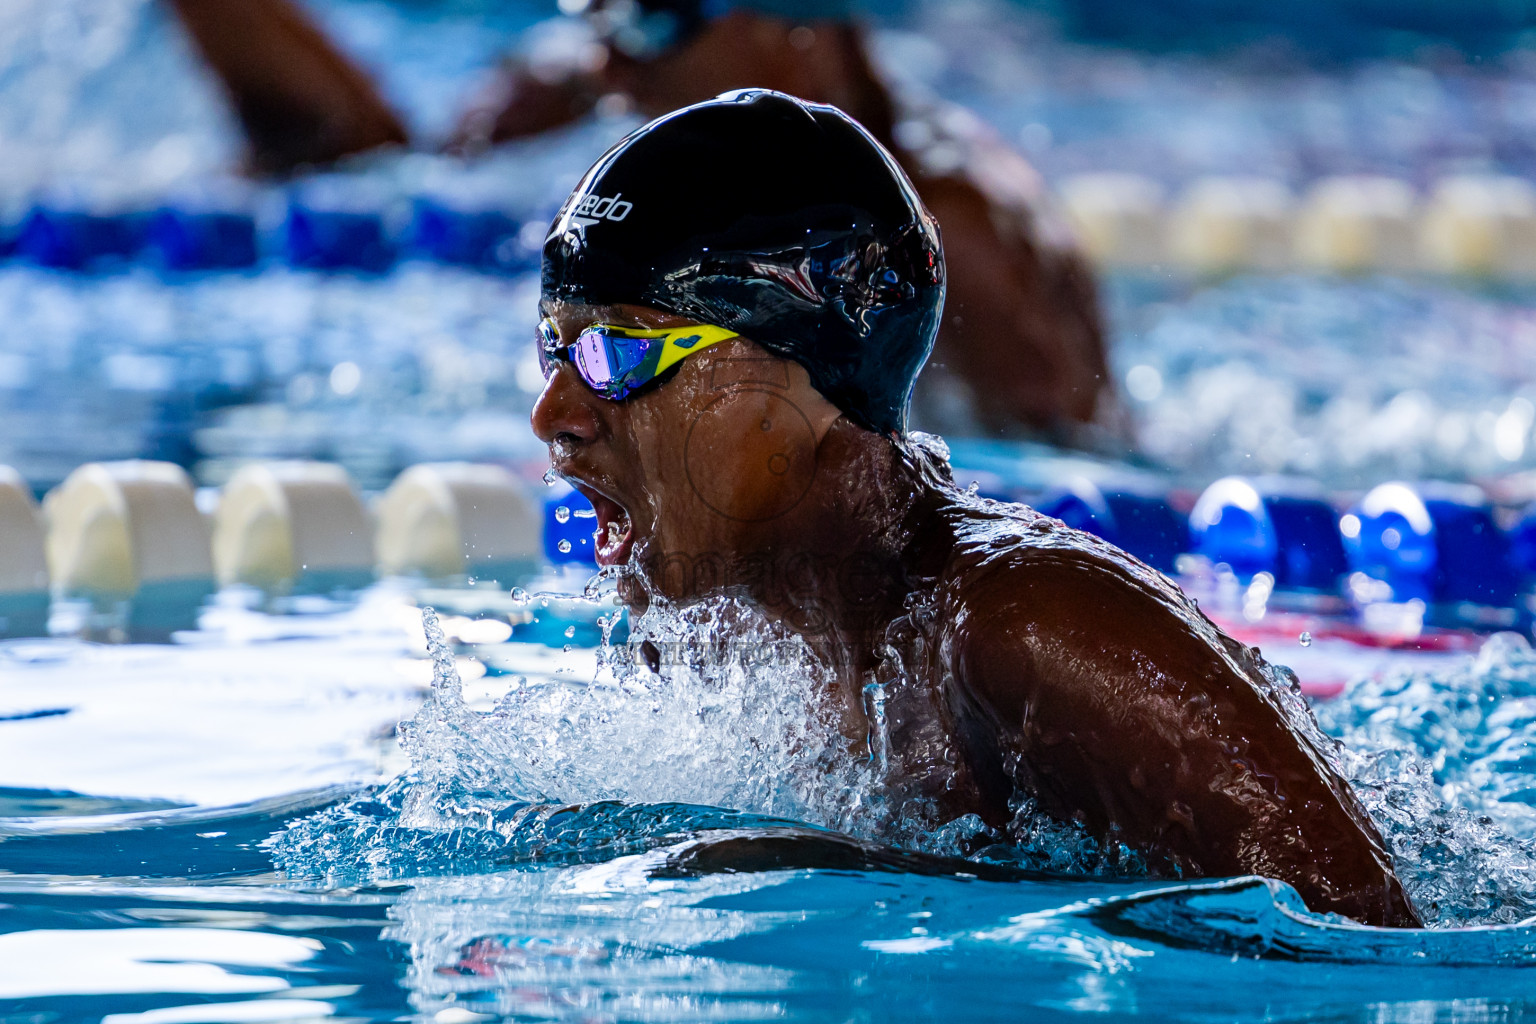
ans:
x=1022 y=347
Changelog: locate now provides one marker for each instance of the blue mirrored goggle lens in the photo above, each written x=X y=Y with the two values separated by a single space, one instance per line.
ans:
x=606 y=360
x=549 y=344
x=610 y=362
x=594 y=360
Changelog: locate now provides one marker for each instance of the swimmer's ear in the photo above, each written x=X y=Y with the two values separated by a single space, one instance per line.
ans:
x=818 y=411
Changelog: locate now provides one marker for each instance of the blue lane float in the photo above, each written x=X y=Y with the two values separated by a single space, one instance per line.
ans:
x=188 y=240
x=1433 y=542
x=78 y=240
x=1276 y=526
x=331 y=239
x=1135 y=519
x=1522 y=547
x=484 y=239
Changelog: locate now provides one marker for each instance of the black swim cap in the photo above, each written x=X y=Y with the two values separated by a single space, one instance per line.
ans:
x=777 y=218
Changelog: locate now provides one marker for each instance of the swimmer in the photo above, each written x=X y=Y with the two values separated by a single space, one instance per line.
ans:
x=737 y=299
x=1021 y=350
x=299 y=101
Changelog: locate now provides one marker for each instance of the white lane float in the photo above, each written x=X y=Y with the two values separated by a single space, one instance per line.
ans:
x=1356 y=223
x=23 y=565
x=130 y=532
x=1226 y=224
x=1120 y=218
x=292 y=523
x=455 y=519
x=1481 y=225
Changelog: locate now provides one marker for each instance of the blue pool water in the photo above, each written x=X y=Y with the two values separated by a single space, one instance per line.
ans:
x=1351 y=381
x=228 y=829
x=233 y=828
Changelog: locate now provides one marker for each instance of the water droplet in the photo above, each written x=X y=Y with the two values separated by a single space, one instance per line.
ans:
x=519 y=595
x=549 y=476
x=568 y=648
x=562 y=514
x=570 y=631
x=1305 y=638
x=564 y=546
x=971 y=490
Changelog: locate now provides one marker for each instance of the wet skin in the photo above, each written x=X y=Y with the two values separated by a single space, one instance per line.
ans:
x=1057 y=665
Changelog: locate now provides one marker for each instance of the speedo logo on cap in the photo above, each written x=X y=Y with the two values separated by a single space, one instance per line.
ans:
x=594 y=209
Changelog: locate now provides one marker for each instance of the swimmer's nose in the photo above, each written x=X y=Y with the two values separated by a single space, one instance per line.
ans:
x=564 y=409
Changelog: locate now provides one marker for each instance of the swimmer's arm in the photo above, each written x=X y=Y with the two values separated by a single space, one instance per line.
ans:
x=1130 y=719
x=520 y=103
x=300 y=101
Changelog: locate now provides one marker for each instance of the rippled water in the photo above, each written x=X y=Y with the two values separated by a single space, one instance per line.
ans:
x=534 y=854
x=103 y=102
x=226 y=829
x=1351 y=382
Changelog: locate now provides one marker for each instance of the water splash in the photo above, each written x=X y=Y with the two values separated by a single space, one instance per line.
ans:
x=1429 y=756
x=709 y=706
x=1444 y=762
x=712 y=706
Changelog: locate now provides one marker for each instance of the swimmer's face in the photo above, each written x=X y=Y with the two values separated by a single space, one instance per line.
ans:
x=694 y=472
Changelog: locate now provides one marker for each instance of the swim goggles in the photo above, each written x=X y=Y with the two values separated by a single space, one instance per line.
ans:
x=617 y=361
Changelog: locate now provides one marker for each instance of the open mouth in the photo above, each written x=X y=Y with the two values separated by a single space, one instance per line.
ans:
x=614 y=536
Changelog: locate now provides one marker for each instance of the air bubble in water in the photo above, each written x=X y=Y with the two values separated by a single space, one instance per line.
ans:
x=564 y=546
x=1305 y=638
x=562 y=514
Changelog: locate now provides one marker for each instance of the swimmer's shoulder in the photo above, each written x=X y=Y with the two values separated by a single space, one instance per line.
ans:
x=1007 y=544
x=1036 y=603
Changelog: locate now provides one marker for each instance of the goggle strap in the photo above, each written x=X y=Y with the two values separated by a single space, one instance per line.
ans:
x=685 y=341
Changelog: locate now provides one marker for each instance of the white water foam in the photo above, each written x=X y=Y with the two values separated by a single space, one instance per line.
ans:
x=735 y=714
x=1445 y=761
